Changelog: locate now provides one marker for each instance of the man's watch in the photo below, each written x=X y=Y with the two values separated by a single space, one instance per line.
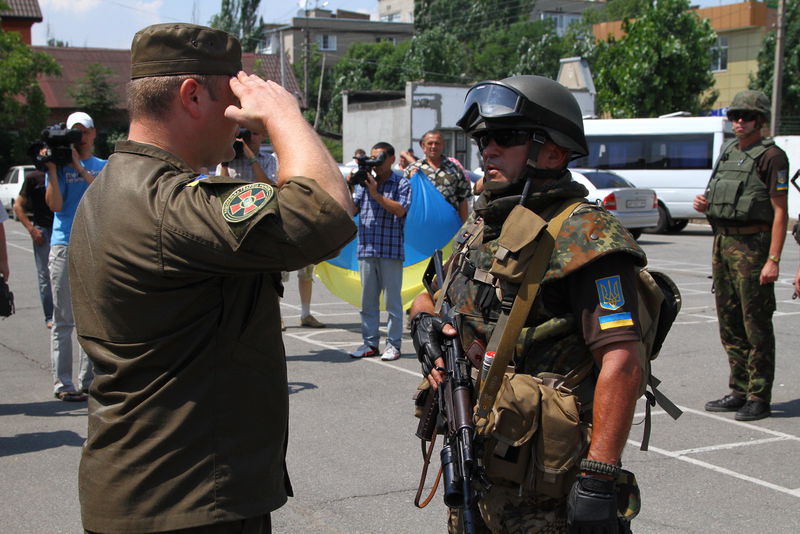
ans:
x=600 y=468
x=773 y=257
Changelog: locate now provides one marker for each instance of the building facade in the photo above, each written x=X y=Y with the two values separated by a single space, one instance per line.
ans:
x=740 y=32
x=396 y=10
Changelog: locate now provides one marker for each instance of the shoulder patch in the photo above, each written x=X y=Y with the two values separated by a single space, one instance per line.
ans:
x=246 y=201
x=197 y=180
x=609 y=292
x=782 y=182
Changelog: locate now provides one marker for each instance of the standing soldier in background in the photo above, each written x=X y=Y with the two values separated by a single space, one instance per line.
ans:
x=746 y=203
x=527 y=129
x=177 y=281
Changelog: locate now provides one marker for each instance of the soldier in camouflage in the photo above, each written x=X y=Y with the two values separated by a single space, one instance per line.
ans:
x=746 y=203
x=528 y=128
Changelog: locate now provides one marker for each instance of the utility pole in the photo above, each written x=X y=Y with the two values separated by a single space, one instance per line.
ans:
x=777 y=75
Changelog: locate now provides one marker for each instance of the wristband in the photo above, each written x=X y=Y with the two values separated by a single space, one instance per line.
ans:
x=252 y=160
x=600 y=468
x=776 y=259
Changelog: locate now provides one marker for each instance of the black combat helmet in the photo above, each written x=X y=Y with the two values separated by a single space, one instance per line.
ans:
x=749 y=100
x=526 y=102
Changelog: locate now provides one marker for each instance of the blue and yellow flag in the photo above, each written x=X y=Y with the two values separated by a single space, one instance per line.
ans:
x=431 y=223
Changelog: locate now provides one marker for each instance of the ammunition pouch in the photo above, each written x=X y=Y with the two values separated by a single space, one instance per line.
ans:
x=534 y=436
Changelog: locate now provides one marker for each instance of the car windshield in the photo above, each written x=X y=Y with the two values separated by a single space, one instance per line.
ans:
x=606 y=180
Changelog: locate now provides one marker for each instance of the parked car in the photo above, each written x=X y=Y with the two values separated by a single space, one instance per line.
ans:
x=11 y=184
x=637 y=208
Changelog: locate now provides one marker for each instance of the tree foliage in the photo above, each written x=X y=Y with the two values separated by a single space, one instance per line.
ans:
x=616 y=10
x=22 y=107
x=660 y=66
x=790 y=80
x=238 y=17
x=94 y=92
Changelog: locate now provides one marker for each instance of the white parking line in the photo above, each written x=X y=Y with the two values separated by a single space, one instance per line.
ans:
x=682 y=455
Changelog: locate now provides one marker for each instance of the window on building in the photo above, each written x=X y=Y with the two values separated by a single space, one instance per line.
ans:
x=719 y=54
x=391 y=17
x=326 y=42
x=561 y=20
x=392 y=40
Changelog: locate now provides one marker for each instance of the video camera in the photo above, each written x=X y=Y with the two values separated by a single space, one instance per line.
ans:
x=365 y=163
x=238 y=146
x=58 y=139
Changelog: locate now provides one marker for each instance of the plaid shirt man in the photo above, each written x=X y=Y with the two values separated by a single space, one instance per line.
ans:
x=380 y=234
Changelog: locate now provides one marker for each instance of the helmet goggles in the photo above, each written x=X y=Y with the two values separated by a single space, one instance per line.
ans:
x=491 y=100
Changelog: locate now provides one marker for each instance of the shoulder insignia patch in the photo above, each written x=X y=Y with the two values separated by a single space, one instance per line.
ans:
x=782 y=182
x=609 y=292
x=246 y=201
x=615 y=320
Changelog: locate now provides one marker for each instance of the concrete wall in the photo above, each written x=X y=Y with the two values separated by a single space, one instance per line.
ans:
x=365 y=124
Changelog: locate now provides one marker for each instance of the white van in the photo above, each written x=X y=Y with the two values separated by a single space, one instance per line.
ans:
x=674 y=156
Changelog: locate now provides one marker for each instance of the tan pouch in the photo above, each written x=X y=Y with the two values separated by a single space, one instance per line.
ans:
x=512 y=424
x=513 y=253
x=560 y=443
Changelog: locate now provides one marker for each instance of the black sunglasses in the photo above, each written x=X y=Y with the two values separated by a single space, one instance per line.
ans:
x=503 y=138
x=746 y=116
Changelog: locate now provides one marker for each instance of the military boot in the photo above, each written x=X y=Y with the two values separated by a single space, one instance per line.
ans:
x=728 y=403
x=753 y=410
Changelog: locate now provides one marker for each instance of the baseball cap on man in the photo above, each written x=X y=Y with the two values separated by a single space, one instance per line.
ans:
x=173 y=49
x=79 y=117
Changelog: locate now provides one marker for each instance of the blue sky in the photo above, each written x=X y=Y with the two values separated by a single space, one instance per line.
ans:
x=112 y=23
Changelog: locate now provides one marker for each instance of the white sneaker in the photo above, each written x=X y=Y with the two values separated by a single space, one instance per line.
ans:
x=364 y=351
x=390 y=354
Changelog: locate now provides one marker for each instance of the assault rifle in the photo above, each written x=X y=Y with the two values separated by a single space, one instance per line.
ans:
x=451 y=405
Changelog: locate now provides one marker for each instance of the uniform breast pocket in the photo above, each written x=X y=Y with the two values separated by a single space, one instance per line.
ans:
x=722 y=201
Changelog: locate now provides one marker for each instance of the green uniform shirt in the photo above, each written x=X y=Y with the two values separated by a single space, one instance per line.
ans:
x=177 y=307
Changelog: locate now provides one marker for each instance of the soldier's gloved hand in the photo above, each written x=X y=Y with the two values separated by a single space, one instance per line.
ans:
x=426 y=332
x=592 y=507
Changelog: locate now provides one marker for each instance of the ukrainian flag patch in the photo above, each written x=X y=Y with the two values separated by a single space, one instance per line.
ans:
x=782 y=183
x=609 y=293
x=616 y=320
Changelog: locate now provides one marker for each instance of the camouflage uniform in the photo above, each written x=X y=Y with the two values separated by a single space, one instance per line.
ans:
x=591 y=234
x=744 y=306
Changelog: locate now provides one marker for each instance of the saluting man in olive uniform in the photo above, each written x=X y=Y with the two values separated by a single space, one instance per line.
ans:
x=528 y=128
x=176 y=281
x=746 y=203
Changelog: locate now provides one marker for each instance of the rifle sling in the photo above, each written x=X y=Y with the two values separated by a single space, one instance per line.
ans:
x=426 y=456
x=509 y=325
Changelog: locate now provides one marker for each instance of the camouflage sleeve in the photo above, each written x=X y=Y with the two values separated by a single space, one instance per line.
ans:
x=590 y=233
x=773 y=167
x=603 y=297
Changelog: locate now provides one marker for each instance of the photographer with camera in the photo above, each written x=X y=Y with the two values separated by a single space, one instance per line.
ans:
x=65 y=183
x=382 y=198
x=250 y=164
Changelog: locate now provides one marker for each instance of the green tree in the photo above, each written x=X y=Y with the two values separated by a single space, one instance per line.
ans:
x=616 y=10
x=661 y=65
x=238 y=17
x=790 y=80
x=94 y=92
x=23 y=113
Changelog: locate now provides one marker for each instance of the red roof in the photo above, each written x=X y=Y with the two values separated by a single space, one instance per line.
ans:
x=22 y=9
x=74 y=61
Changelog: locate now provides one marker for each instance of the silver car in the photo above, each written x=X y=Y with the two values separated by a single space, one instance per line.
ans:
x=11 y=184
x=636 y=208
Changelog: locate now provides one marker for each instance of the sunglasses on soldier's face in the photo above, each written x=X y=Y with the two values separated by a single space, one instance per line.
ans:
x=746 y=116
x=503 y=138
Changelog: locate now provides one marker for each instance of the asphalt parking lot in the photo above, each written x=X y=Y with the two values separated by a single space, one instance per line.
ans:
x=354 y=461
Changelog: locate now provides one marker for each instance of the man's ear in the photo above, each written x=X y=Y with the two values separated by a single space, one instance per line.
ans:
x=556 y=157
x=191 y=95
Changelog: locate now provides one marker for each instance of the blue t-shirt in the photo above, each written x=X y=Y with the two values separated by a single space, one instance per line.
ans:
x=72 y=189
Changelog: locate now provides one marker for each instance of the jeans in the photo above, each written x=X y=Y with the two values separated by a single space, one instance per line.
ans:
x=63 y=325
x=381 y=274
x=40 y=256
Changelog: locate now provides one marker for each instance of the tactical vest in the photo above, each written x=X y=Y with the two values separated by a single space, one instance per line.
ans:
x=735 y=191
x=550 y=342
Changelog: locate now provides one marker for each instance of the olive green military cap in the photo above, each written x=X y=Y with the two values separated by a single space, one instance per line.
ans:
x=178 y=48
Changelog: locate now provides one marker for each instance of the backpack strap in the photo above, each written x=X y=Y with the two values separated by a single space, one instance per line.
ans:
x=512 y=317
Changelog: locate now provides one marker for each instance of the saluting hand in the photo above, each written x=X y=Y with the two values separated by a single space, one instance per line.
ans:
x=260 y=102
